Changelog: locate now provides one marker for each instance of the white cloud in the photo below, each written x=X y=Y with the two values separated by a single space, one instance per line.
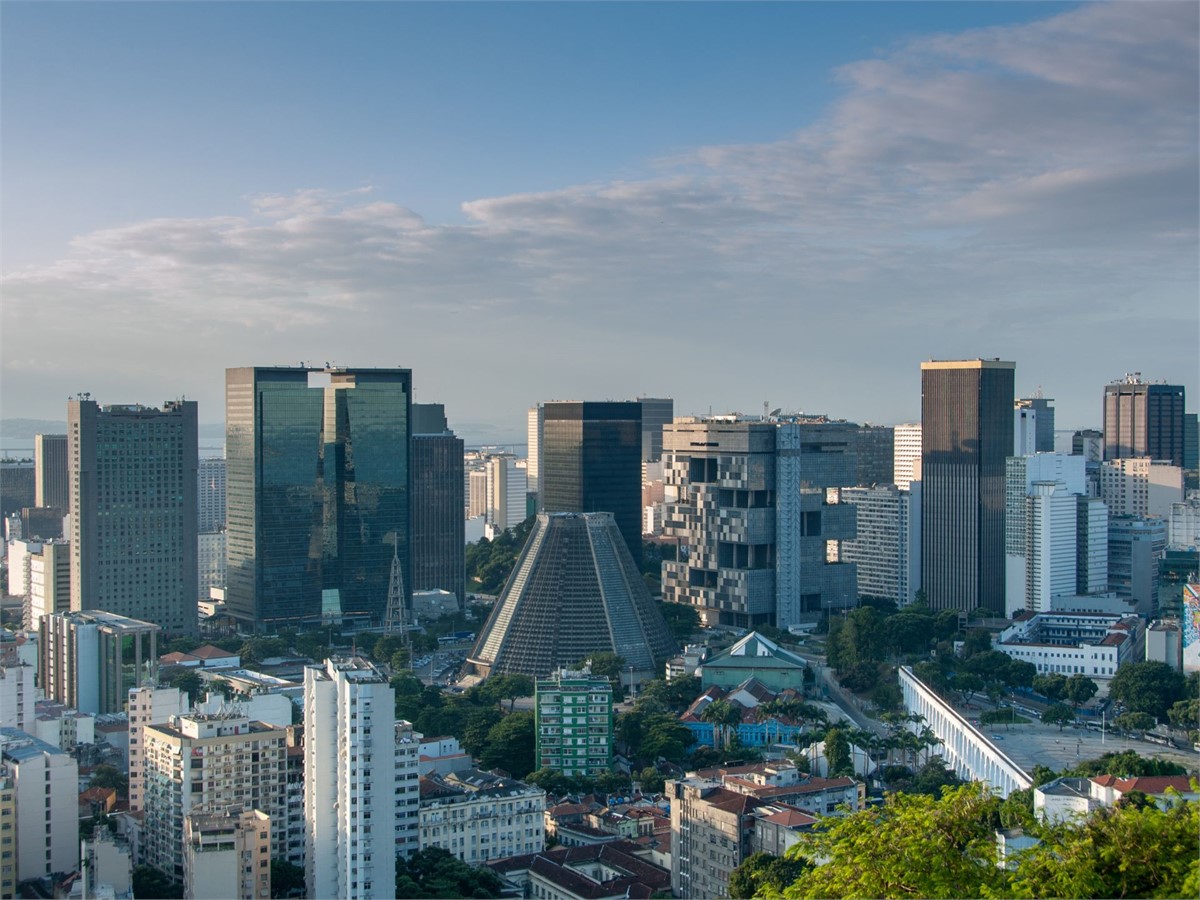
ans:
x=1027 y=191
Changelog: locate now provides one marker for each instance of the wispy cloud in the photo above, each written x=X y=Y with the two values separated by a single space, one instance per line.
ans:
x=1026 y=191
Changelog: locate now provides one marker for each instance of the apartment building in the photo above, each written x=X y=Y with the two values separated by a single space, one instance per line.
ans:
x=480 y=817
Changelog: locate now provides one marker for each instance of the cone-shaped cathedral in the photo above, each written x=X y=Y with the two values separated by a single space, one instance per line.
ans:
x=574 y=591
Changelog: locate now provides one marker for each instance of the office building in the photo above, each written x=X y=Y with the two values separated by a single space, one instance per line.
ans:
x=1091 y=546
x=1024 y=430
x=39 y=572
x=227 y=855
x=1134 y=549
x=1191 y=445
x=8 y=833
x=535 y=422
x=507 y=495
x=133 y=472
x=757 y=505
x=575 y=590
x=1069 y=643
x=1088 y=443
x=1183 y=523
x=318 y=480
x=90 y=660
x=906 y=457
x=210 y=494
x=17 y=486
x=886 y=548
x=1176 y=568
x=875 y=455
x=657 y=413
x=966 y=435
x=592 y=462
x=351 y=793
x=51 y=481
x=1164 y=643
x=1142 y=419
x=574 y=712
x=205 y=762
x=479 y=816
x=1141 y=487
x=45 y=522
x=45 y=795
x=477 y=493
x=1043 y=420
x=210 y=563
x=438 y=526
x=1042 y=492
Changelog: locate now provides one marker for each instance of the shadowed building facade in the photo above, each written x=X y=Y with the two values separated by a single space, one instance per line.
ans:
x=966 y=436
x=438 y=525
x=1142 y=419
x=575 y=591
x=592 y=462
x=318 y=485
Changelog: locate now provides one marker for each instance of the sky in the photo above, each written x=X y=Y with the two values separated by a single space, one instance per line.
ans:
x=728 y=204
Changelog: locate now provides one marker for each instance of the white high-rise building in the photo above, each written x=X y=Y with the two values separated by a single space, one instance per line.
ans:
x=1141 y=487
x=1024 y=430
x=1030 y=541
x=1050 y=552
x=148 y=705
x=45 y=783
x=1091 y=546
x=350 y=779
x=210 y=495
x=533 y=468
x=507 y=485
x=227 y=855
x=210 y=560
x=906 y=455
x=17 y=695
x=49 y=582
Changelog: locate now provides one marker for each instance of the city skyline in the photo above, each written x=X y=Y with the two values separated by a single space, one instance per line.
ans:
x=477 y=193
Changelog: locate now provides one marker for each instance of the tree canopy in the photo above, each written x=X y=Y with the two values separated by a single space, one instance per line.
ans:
x=919 y=846
x=762 y=870
x=1149 y=687
x=436 y=872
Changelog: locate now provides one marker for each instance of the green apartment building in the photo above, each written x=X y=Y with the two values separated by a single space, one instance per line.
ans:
x=574 y=723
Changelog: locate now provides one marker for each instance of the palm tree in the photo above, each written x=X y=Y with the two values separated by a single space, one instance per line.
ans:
x=724 y=716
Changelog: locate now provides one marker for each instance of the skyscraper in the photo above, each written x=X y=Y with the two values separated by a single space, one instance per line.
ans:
x=1142 y=419
x=592 y=462
x=657 y=412
x=359 y=805
x=966 y=435
x=906 y=457
x=51 y=484
x=438 y=526
x=318 y=480
x=210 y=494
x=133 y=511
x=533 y=455
x=1042 y=419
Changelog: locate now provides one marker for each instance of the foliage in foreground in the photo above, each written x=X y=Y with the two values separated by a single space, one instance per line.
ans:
x=436 y=872
x=916 y=846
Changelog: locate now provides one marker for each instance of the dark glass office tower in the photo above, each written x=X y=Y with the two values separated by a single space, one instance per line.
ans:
x=657 y=412
x=592 y=462
x=317 y=491
x=966 y=435
x=1143 y=419
x=438 y=524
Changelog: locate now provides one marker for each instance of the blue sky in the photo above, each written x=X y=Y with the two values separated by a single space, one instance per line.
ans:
x=721 y=202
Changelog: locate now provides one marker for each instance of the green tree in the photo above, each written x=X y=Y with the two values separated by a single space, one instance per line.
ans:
x=511 y=745
x=1126 y=764
x=664 y=737
x=151 y=883
x=287 y=879
x=1185 y=714
x=1059 y=714
x=1134 y=721
x=1052 y=686
x=725 y=717
x=187 y=680
x=652 y=780
x=968 y=684
x=977 y=640
x=675 y=695
x=908 y=632
x=499 y=688
x=1021 y=673
x=1148 y=687
x=105 y=776
x=1130 y=851
x=912 y=846
x=682 y=619
x=436 y=872
x=837 y=753
x=1079 y=689
x=761 y=871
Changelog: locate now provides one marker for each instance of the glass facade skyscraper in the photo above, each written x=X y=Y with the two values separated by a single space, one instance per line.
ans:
x=1142 y=419
x=966 y=436
x=317 y=492
x=592 y=462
